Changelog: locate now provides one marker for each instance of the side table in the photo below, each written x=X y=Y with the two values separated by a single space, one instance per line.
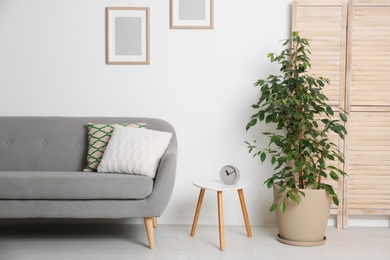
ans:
x=219 y=187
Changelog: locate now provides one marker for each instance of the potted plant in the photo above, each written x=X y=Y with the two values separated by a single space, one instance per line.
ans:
x=300 y=150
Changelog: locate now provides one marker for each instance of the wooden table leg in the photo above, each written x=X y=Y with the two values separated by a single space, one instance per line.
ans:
x=155 y=225
x=198 y=207
x=220 y=220
x=245 y=213
x=149 y=231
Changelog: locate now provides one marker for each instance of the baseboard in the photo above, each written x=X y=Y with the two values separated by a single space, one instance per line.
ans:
x=354 y=221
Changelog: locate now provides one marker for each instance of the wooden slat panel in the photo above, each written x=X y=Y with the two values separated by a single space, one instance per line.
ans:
x=369 y=40
x=369 y=163
x=327 y=44
x=369 y=109
x=328 y=54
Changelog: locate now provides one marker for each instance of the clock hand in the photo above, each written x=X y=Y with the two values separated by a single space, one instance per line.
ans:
x=229 y=173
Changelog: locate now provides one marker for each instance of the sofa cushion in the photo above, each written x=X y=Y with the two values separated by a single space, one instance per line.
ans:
x=73 y=186
x=134 y=150
x=98 y=137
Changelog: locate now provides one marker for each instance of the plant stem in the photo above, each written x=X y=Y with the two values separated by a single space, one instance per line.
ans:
x=320 y=176
x=298 y=108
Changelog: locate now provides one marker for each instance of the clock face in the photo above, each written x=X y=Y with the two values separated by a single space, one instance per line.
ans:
x=229 y=174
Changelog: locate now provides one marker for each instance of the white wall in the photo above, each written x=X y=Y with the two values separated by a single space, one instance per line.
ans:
x=52 y=62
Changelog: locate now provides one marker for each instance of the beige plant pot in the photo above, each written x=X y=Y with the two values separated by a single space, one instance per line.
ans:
x=304 y=224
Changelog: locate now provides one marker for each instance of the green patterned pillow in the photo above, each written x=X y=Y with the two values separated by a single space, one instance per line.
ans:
x=98 y=137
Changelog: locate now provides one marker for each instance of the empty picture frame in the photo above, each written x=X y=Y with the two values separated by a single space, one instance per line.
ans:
x=127 y=35
x=192 y=14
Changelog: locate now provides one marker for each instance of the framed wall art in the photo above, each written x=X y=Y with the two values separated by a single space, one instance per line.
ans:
x=192 y=14
x=127 y=35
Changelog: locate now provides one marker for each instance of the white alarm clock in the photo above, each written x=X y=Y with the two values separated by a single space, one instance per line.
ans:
x=229 y=174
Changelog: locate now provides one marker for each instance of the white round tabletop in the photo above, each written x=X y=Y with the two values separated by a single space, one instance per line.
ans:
x=218 y=185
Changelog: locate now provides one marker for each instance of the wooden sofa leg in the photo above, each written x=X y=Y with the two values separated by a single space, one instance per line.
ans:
x=149 y=230
x=155 y=222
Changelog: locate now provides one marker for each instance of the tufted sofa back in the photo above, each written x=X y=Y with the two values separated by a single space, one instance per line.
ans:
x=56 y=143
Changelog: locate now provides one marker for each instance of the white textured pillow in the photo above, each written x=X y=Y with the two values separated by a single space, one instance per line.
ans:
x=134 y=150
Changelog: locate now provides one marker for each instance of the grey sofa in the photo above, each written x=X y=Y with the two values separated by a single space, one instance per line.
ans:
x=41 y=162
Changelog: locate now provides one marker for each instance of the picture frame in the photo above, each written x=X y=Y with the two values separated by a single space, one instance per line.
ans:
x=127 y=35
x=192 y=14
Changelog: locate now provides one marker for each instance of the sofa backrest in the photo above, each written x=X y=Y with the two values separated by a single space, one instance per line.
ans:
x=56 y=143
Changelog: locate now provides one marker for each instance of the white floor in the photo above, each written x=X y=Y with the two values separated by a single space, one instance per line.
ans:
x=117 y=242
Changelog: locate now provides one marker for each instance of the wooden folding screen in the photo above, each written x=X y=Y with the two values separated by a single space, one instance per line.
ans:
x=323 y=22
x=351 y=46
x=368 y=88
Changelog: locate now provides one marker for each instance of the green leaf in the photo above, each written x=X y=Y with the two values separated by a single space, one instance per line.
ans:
x=291 y=195
x=273 y=207
x=298 y=199
x=261 y=115
x=334 y=176
x=251 y=123
x=329 y=190
x=330 y=157
x=263 y=156
x=343 y=117
x=270 y=183
x=335 y=200
x=260 y=82
x=282 y=207
x=273 y=160
x=320 y=82
x=330 y=111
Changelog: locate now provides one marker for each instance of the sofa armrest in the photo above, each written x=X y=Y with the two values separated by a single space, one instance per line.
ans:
x=163 y=183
